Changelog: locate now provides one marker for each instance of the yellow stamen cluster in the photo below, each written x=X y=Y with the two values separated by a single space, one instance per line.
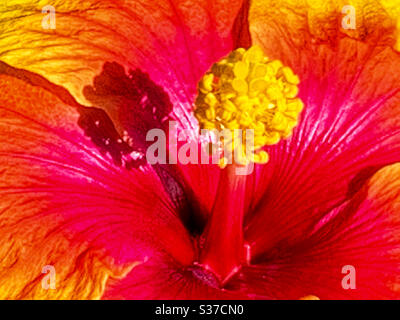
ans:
x=246 y=90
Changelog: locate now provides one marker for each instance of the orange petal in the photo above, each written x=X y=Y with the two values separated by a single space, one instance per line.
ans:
x=286 y=24
x=175 y=42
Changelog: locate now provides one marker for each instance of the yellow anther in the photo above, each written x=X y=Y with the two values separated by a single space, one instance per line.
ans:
x=261 y=157
x=211 y=100
x=281 y=105
x=245 y=119
x=241 y=70
x=228 y=106
x=242 y=102
x=240 y=86
x=274 y=93
x=225 y=116
x=258 y=85
x=237 y=54
x=245 y=91
x=206 y=83
x=295 y=105
x=208 y=125
x=290 y=76
x=273 y=138
x=259 y=128
x=232 y=125
x=210 y=114
x=291 y=91
x=259 y=71
x=227 y=94
x=253 y=55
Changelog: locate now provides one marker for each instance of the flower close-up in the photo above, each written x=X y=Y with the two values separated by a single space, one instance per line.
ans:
x=115 y=182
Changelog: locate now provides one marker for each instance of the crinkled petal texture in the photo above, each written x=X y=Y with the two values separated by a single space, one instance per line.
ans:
x=66 y=205
x=173 y=41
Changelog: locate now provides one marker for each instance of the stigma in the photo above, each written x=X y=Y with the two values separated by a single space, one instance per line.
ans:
x=248 y=91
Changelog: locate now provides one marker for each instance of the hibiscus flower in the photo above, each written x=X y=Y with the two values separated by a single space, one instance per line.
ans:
x=79 y=94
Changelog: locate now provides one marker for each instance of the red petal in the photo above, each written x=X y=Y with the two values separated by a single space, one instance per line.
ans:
x=68 y=205
x=163 y=278
x=363 y=233
x=348 y=130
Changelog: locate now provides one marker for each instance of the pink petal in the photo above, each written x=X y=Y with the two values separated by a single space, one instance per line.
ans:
x=348 y=130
